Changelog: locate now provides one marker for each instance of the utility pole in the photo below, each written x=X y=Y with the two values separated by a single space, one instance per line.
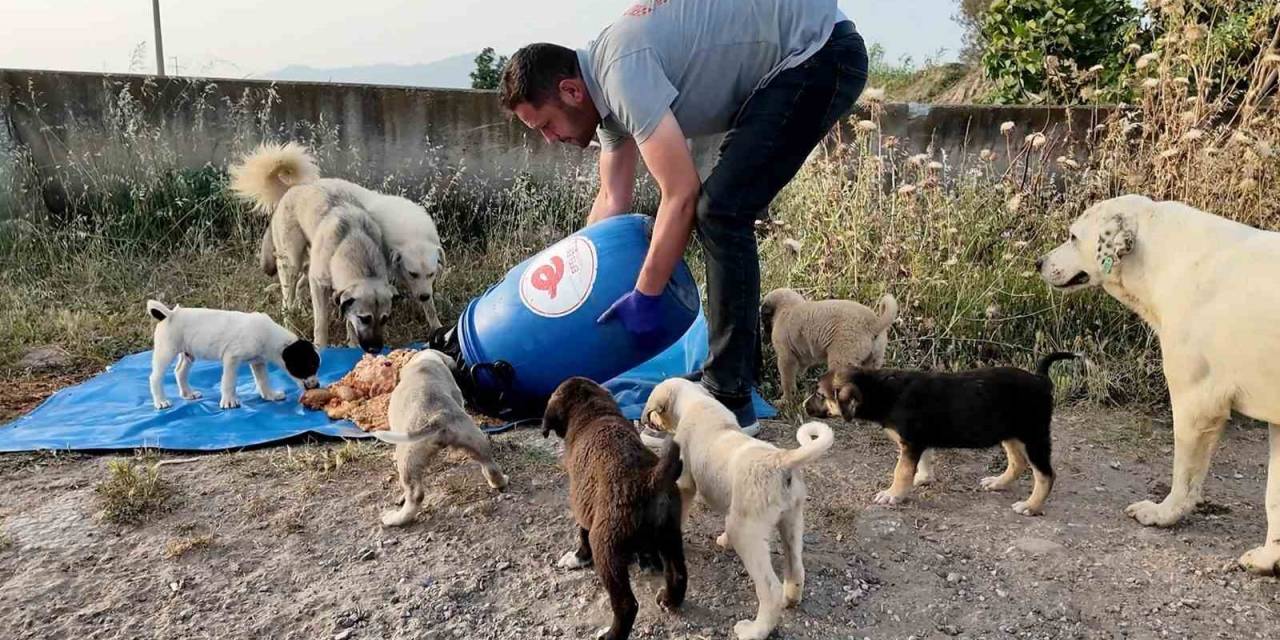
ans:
x=155 y=12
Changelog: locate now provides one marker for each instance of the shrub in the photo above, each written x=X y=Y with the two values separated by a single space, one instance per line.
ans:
x=1052 y=51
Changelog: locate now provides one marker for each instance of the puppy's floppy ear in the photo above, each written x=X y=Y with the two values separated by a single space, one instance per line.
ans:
x=555 y=417
x=301 y=359
x=447 y=360
x=1116 y=236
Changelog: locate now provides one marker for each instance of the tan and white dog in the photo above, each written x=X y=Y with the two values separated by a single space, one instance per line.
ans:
x=758 y=487
x=1210 y=288
x=426 y=415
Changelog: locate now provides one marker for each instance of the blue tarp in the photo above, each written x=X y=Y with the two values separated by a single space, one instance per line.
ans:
x=113 y=409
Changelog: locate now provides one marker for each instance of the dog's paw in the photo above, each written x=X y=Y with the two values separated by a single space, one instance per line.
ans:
x=888 y=498
x=192 y=395
x=922 y=479
x=396 y=519
x=570 y=560
x=229 y=403
x=606 y=634
x=792 y=594
x=749 y=630
x=722 y=540
x=993 y=483
x=500 y=484
x=1152 y=515
x=1264 y=560
x=273 y=396
x=162 y=404
x=666 y=602
x=1024 y=507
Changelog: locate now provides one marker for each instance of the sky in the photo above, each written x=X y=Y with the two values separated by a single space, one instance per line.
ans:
x=247 y=38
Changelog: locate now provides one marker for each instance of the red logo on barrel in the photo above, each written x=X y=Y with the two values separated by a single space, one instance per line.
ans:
x=547 y=277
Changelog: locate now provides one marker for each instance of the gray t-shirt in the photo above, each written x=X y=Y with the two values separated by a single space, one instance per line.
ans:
x=700 y=58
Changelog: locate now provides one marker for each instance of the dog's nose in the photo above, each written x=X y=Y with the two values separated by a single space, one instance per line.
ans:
x=426 y=297
x=1039 y=263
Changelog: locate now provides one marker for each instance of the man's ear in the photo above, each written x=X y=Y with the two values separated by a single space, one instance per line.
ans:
x=573 y=91
x=1116 y=237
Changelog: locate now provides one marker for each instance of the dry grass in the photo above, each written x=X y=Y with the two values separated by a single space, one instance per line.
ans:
x=132 y=492
x=178 y=547
x=328 y=461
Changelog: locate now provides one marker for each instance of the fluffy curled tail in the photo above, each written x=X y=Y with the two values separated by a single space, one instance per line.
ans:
x=1042 y=369
x=266 y=174
x=668 y=469
x=888 y=312
x=815 y=439
x=158 y=310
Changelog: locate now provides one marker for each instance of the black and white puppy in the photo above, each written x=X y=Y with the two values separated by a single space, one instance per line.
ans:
x=231 y=337
x=976 y=409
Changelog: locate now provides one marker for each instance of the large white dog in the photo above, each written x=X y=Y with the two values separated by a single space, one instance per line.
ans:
x=1210 y=288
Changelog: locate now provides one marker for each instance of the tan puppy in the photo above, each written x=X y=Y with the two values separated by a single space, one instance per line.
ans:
x=425 y=415
x=757 y=486
x=838 y=333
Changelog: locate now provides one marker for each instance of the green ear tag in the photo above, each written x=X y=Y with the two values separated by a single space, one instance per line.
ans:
x=1107 y=263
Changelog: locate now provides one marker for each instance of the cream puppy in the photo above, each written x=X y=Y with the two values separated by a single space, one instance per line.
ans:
x=756 y=485
x=426 y=415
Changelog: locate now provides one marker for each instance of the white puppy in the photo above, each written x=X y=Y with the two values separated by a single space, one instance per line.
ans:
x=231 y=337
x=1210 y=288
x=756 y=485
x=425 y=415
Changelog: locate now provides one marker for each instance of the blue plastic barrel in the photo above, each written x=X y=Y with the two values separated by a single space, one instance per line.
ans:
x=541 y=319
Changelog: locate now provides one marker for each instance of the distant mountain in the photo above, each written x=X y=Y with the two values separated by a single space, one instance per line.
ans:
x=450 y=73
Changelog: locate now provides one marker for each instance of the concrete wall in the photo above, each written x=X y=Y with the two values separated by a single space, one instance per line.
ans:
x=76 y=125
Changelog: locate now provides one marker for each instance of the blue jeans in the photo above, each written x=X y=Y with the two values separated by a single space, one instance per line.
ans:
x=771 y=136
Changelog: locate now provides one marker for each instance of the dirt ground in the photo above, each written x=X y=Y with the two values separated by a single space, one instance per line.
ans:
x=276 y=543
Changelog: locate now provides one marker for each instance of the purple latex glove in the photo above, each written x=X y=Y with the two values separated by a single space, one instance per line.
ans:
x=640 y=313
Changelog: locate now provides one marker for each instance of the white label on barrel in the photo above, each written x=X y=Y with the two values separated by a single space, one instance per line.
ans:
x=559 y=279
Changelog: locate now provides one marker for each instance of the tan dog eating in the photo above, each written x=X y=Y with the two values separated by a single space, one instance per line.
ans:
x=426 y=415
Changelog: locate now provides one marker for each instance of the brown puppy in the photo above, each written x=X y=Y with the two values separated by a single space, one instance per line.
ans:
x=835 y=333
x=624 y=498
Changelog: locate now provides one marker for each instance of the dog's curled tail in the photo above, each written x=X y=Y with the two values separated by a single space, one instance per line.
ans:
x=888 y=312
x=1042 y=369
x=815 y=439
x=158 y=310
x=266 y=174
x=668 y=469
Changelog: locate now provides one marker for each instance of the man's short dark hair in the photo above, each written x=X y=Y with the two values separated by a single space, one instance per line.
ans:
x=534 y=72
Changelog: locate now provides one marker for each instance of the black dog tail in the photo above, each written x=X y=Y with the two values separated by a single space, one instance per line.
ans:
x=664 y=474
x=1042 y=369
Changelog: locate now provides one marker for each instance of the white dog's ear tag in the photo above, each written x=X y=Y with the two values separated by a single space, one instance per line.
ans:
x=1107 y=263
